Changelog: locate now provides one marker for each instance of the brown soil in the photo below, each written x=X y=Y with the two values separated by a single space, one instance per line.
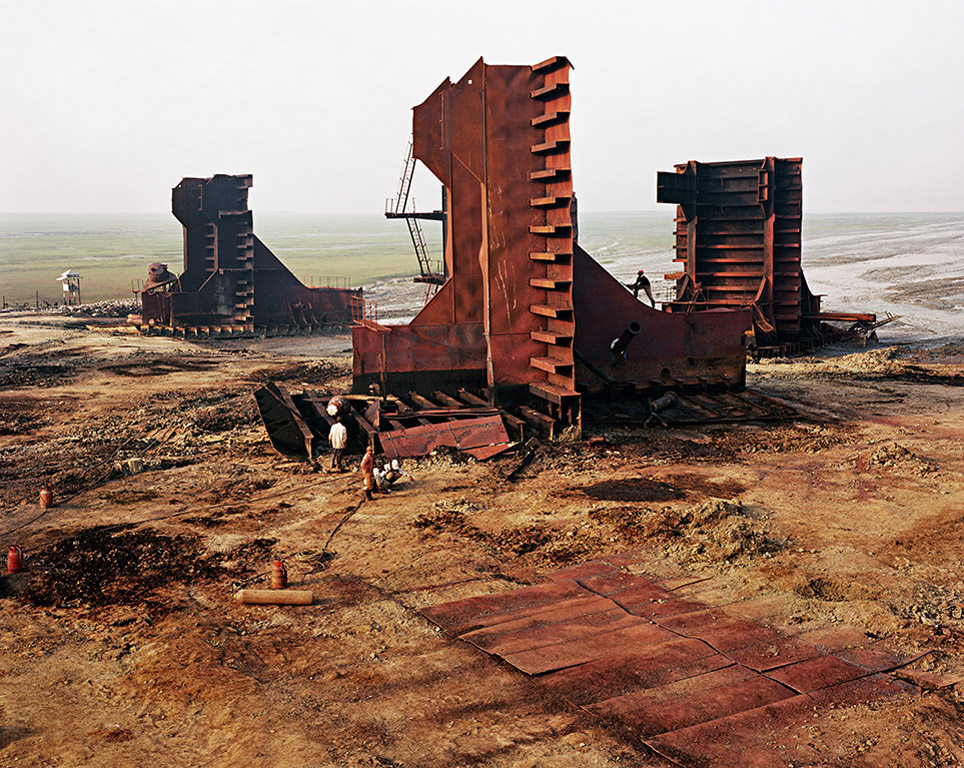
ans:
x=120 y=644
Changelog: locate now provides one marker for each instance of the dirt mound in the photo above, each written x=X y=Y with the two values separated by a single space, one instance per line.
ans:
x=714 y=530
x=893 y=455
x=102 y=566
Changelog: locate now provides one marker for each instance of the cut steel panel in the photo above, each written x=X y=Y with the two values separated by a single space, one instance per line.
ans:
x=502 y=641
x=464 y=434
x=571 y=653
x=749 y=739
x=650 y=667
x=460 y=616
x=771 y=653
x=619 y=582
x=817 y=673
x=650 y=713
x=524 y=297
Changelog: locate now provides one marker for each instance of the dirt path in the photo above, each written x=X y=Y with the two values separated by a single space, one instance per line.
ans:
x=121 y=642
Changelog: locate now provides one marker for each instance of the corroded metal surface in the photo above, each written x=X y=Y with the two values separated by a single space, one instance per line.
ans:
x=697 y=684
x=525 y=312
x=738 y=241
x=232 y=283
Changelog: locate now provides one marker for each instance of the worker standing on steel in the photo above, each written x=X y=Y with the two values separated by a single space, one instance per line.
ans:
x=368 y=472
x=338 y=437
x=642 y=282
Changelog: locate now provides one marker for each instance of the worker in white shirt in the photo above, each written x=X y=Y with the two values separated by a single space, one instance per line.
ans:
x=338 y=437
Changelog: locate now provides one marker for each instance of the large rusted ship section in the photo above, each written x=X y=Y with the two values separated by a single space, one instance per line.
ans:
x=738 y=237
x=525 y=313
x=232 y=283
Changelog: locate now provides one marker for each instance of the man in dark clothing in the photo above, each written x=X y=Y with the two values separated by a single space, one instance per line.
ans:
x=642 y=282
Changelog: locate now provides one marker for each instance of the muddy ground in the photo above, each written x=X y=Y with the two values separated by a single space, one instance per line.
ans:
x=121 y=644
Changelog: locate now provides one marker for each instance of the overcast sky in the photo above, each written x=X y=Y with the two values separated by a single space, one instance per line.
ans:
x=106 y=105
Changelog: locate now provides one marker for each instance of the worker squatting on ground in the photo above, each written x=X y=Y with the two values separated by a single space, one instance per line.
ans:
x=642 y=282
x=386 y=476
x=338 y=437
x=368 y=472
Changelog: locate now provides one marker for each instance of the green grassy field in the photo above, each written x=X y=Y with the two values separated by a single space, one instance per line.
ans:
x=112 y=251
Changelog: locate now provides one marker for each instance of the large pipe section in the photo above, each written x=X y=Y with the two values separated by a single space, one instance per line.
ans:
x=618 y=345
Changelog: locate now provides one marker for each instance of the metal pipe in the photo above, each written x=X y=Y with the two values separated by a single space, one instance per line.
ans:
x=618 y=345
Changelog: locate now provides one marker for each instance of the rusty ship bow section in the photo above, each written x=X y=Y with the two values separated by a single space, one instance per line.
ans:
x=738 y=241
x=525 y=314
x=232 y=284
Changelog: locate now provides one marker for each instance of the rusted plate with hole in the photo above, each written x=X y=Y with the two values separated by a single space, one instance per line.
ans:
x=659 y=608
x=773 y=653
x=642 y=593
x=592 y=568
x=648 y=715
x=461 y=616
x=690 y=622
x=814 y=674
x=497 y=641
x=750 y=739
x=733 y=634
x=616 y=581
x=569 y=654
x=618 y=675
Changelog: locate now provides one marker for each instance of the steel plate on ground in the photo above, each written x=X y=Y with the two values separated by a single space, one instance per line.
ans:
x=460 y=616
x=653 y=609
x=569 y=654
x=751 y=739
x=773 y=654
x=617 y=581
x=814 y=674
x=618 y=675
x=573 y=628
x=648 y=715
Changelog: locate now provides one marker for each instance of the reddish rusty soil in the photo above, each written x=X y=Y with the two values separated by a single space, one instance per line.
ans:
x=121 y=644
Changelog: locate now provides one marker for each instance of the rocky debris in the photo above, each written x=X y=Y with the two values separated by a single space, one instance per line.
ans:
x=939 y=607
x=715 y=530
x=893 y=455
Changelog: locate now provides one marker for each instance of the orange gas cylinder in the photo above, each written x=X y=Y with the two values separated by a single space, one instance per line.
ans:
x=46 y=497
x=14 y=559
x=279 y=575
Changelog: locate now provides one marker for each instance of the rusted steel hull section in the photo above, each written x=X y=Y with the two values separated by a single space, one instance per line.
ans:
x=298 y=423
x=667 y=669
x=525 y=312
x=232 y=283
x=738 y=237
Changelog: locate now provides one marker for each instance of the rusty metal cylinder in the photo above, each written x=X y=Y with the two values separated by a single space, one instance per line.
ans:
x=279 y=575
x=618 y=345
x=46 y=497
x=14 y=559
x=662 y=403
x=274 y=597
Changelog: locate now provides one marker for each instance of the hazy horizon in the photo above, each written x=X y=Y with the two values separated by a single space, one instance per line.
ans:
x=108 y=105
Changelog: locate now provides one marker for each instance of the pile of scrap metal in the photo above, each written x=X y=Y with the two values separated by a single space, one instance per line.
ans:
x=738 y=227
x=526 y=314
x=232 y=284
x=298 y=424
